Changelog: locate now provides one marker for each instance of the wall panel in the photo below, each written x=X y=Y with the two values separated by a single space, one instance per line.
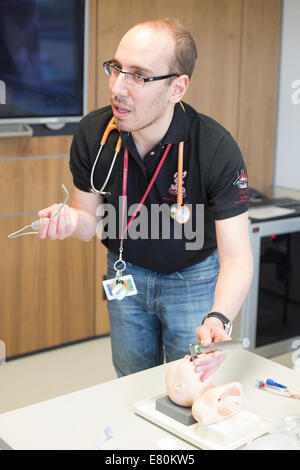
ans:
x=260 y=55
x=51 y=292
x=216 y=27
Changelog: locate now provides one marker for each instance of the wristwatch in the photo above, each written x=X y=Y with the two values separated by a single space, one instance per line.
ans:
x=226 y=322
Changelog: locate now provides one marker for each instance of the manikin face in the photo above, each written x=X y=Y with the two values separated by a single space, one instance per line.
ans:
x=210 y=403
x=148 y=52
x=183 y=384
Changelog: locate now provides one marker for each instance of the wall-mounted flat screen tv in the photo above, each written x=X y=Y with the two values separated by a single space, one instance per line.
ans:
x=43 y=61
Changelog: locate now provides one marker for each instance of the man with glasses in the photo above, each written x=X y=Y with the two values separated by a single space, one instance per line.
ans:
x=183 y=296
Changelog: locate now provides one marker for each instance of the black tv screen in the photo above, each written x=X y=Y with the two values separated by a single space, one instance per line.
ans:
x=42 y=60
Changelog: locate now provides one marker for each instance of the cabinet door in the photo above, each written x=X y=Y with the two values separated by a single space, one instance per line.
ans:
x=102 y=325
x=47 y=287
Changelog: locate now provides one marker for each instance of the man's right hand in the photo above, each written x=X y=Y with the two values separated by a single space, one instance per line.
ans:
x=61 y=226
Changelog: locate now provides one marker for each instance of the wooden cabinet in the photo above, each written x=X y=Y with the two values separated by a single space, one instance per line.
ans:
x=47 y=287
x=51 y=291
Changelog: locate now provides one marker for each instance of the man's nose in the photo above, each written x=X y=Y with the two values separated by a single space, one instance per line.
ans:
x=119 y=85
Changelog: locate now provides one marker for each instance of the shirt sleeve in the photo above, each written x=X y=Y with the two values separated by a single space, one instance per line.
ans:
x=79 y=163
x=227 y=187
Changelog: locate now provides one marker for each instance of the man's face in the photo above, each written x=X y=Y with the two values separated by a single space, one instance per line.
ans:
x=149 y=53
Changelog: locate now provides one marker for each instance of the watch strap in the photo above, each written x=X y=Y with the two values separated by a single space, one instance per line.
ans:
x=226 y=322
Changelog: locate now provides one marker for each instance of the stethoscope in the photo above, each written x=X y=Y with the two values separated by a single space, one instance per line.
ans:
x=179 y=211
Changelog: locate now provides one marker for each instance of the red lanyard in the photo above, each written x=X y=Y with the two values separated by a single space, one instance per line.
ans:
x=124 y=189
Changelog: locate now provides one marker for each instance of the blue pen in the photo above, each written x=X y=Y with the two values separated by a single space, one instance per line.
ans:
x=275 y=387
x=272 y=383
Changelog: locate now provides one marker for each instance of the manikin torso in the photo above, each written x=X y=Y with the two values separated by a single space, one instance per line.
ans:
x=210 y=403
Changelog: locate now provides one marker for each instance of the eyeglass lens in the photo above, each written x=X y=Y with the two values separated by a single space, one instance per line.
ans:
x=113 y=71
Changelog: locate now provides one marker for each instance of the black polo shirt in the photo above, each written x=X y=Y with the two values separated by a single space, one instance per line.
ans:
x=214 y=176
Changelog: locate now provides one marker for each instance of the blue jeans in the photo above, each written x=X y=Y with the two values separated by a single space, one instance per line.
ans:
x=160 y=321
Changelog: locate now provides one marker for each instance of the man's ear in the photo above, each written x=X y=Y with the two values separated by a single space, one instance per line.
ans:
x=178 y=88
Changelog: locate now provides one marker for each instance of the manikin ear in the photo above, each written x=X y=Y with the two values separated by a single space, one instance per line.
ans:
x=178 y=88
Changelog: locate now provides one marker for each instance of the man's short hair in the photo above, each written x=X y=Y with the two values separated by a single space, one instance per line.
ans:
x=183 y=61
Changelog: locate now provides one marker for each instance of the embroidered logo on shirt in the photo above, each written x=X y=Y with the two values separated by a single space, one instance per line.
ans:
x=242 y=183
x=241 y=180
x=173 y=188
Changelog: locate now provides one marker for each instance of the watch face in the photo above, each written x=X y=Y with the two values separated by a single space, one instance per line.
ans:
x=228 y=328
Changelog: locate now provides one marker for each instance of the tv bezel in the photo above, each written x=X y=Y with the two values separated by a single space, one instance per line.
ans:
x=60 y=121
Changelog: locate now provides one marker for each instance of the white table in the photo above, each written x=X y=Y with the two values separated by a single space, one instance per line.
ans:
x=76 y=420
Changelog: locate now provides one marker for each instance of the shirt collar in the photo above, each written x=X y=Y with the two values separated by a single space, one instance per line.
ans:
x=177 y=132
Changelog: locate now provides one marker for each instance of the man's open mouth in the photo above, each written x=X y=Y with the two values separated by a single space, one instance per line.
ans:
x=120 y=111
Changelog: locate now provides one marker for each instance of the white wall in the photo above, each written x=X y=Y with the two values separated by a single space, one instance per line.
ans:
x=287 y=157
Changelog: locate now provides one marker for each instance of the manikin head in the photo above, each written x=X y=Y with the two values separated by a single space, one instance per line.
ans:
x=153 y=48
x=183 y=384
x=210 y=403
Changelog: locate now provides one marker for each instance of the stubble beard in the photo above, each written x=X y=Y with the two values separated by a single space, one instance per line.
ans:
x=155 y=109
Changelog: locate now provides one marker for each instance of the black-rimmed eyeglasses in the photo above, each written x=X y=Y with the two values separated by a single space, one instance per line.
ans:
x=136 y=79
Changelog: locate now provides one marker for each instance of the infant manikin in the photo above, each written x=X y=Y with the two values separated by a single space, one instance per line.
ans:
x=210 y=403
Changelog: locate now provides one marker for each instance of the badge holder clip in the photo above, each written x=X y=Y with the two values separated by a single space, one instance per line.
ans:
x=120 y=286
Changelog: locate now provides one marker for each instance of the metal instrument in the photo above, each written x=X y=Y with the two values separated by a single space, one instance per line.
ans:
x=196 y=349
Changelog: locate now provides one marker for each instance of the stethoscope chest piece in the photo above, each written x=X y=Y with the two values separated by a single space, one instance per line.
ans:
x=180 y=213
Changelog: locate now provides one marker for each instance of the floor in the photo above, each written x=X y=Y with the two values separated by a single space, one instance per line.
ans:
x=45 y=375
x=38 y=377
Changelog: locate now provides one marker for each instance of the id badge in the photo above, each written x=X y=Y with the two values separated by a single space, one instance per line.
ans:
x=118 y=288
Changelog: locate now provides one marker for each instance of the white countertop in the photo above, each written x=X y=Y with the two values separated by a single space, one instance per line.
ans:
x=76 y=420
x=279 y=191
